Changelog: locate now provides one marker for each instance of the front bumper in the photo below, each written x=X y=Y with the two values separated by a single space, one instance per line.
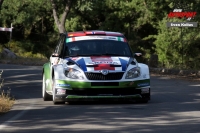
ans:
x=90 y=91
x=68 y=98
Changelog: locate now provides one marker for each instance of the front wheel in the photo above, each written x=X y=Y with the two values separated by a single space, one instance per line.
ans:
x=146 y=97
x=45 y=95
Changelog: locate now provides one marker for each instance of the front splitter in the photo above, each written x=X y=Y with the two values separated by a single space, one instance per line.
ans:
x=93 y=97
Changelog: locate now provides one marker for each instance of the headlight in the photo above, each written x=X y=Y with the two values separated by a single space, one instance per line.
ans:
x=133 y=73
x=73 y=73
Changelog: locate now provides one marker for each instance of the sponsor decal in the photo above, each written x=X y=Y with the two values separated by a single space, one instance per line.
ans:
x=97 y=63
x=143 y=84
x=61 y=91
x=112 y=38
x=103 y=62
x=103 y=66
x=95 y=37
x=63 y=85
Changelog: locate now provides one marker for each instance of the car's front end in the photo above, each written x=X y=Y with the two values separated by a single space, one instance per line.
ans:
x=114 y=82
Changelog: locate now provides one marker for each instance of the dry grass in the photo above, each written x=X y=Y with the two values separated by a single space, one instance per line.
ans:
x=6 y=101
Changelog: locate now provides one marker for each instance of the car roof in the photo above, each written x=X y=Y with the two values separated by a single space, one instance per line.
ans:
x=94 y=32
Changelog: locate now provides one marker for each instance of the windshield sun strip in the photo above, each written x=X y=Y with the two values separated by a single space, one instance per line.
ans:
x=81 y=38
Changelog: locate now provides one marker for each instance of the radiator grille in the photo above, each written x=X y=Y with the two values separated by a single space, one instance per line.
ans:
x=100 y=76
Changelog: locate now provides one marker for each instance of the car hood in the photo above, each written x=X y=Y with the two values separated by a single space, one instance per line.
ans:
x=97 y=63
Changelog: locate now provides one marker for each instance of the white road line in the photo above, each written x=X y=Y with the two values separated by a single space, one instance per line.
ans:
x=9 y=122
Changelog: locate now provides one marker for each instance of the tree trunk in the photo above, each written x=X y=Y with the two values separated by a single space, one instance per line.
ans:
x=60 y=23
x=1 y=2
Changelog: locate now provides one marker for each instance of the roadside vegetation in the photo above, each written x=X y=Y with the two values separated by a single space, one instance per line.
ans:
x=23 y=57
x=37 y=25
x=6 y=100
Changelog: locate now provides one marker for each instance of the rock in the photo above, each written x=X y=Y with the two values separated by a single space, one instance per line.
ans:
x=185 y=72
x=6 y=53
x=198 y=74
x=175 y=71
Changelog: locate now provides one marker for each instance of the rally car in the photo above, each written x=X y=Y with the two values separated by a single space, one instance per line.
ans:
x=94 y=65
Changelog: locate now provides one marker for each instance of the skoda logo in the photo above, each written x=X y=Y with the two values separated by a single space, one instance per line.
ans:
x=104 y=72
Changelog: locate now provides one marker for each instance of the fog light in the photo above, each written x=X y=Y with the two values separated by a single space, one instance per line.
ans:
x=144 y=90
x=60 y=91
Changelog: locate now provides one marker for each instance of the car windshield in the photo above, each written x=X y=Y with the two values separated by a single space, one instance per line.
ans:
x=98 y=48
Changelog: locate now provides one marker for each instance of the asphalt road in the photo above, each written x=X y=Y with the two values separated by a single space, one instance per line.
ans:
x=174 y=108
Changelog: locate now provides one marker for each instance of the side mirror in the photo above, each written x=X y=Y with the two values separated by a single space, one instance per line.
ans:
x=54 y=55
x=137 y=54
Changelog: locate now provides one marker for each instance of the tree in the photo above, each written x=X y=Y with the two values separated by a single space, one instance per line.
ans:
x=1 y=2
x=86 y=15
x=177 y=47
x=72 y=10
x=60 y=23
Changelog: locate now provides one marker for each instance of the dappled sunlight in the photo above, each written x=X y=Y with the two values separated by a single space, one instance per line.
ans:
x=103 y=120
x=164 y=78
x=174 y=104
x=195 y=85
x=197 y=94
x=22 y=76
x=23 y=68
x=20 y=82
x=193 y=102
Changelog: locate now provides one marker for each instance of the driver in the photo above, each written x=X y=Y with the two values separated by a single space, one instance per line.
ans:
x=74 y=50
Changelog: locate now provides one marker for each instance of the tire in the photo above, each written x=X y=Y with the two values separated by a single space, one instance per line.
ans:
x=146 y=97
x=53 y=92
x=45 y=95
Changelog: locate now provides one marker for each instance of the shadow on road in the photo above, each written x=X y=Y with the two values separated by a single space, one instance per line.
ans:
x=174 y=107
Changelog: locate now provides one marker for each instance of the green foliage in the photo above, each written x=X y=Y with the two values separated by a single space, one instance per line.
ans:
x=142 y=22
x=23 y=49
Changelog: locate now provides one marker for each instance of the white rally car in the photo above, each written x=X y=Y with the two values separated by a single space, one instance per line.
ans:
x=94 y=65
